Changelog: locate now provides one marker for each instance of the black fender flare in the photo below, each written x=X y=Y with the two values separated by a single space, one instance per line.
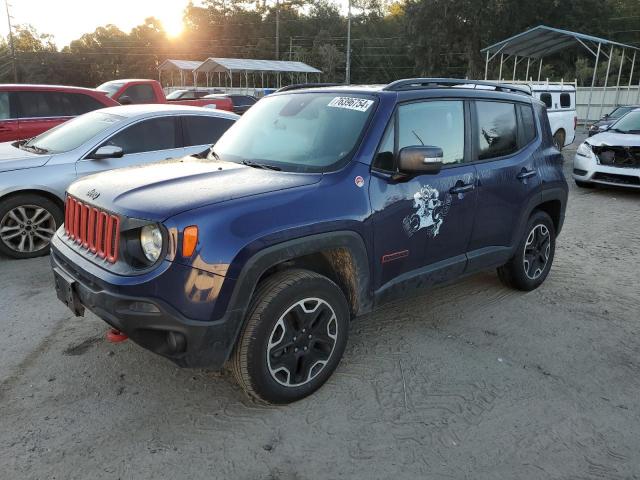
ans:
x=548 y=194
x=244 y=286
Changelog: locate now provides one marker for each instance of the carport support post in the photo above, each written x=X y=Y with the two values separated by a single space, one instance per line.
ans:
x=526 y=77
x=500 y=72
x=593 y=83
x=606 y=80
x=515 y=65
x=633 y=64
x=619 y=73
x=486 y=66
x=540 y=70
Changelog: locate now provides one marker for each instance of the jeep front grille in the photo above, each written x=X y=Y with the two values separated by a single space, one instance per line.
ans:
x=93 y=229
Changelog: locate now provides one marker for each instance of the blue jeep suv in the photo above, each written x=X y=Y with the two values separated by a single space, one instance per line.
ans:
x=317 y=206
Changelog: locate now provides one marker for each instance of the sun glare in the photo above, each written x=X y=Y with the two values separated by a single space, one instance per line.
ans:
x=173 y=26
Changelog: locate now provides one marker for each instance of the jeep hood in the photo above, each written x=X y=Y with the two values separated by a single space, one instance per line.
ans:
x=12 y=158
x=160 y=190
x=614 y=139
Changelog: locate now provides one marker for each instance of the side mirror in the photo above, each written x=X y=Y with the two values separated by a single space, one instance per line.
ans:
x=606 y=115
x=413 y=160
x=125 y=100
x=107 y=151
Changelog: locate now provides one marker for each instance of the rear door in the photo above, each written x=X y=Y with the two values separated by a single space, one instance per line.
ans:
x=146 y=141
x=200 y=131
x=507 y=150
x=422 y=225
x=9 y=123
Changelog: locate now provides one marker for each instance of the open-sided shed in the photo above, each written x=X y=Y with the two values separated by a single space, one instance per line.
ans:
x=181 y=67
x=541 y=41
x=228 y=67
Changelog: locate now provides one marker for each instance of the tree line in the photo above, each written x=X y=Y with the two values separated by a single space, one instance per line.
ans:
x=390 y=39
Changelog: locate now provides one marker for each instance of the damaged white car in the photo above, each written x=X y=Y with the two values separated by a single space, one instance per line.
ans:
x=611 y=157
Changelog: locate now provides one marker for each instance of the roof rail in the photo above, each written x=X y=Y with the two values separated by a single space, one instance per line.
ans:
x=299 y=86
x=423 y=83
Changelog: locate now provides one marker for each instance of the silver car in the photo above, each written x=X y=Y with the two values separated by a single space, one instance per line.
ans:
x=611 y=157
x=35 y=173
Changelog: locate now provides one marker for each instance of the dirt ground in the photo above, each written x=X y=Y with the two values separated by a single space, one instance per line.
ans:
x=471 y=381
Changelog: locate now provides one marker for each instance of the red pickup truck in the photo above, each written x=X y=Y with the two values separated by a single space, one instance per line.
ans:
x=150 y=91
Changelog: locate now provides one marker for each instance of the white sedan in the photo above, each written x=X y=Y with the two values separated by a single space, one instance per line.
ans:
x=611 y=157
x=35 y=173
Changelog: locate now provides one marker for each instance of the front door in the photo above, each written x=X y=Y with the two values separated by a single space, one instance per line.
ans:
x=147 y=141
x=422 y=225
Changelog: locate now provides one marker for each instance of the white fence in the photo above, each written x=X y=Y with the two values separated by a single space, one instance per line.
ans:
x=604 y=100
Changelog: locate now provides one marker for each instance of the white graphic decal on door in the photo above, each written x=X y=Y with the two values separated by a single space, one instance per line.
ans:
x=430 y=212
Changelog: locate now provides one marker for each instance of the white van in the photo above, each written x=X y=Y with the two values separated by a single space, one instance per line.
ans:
x=560 y=99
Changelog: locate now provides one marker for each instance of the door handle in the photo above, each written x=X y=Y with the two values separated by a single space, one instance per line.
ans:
x=524 y=174
x=461 y=188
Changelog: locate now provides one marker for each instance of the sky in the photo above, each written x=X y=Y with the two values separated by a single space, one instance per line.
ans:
x=67 y=20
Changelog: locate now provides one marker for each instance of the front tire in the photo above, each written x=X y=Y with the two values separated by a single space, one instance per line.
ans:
x=531 y=263
x=27 y=223
x=295 y=334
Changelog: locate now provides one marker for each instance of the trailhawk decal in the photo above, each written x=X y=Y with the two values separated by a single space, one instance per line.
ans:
x=351 y=103
x=430 y=212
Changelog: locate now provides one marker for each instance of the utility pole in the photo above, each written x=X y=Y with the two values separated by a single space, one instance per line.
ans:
x=11 y=46
x=277 y=29
x=290 y=48
x=348 y=69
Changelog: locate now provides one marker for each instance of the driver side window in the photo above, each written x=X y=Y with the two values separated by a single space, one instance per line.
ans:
x=147 y=136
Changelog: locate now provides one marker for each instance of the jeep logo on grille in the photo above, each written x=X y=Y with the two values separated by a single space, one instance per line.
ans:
x=93 y=194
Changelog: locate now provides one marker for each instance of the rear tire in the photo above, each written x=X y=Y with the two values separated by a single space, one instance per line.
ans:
x=584 y=184
x=558 y=139
x=533 y=258
x=295 y=334
x=27 y=223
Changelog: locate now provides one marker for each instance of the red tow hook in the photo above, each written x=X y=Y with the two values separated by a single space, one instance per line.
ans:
x=116 y=336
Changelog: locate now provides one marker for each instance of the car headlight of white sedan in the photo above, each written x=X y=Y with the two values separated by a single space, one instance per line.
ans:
x=584 y=150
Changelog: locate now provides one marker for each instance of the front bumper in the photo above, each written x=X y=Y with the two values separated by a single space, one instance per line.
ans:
x=588 y=170
x=137 y=306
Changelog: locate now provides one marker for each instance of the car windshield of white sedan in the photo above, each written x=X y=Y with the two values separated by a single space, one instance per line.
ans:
x=303 y=132
x=71 y=134
x=630 y=123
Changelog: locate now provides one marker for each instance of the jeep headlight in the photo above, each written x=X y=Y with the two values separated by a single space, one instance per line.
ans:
x=151 y=242
x=584 y=150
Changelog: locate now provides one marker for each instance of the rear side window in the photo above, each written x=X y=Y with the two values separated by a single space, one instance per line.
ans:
x=496 y=129
x=546 y=99
x=147 y=136
x=5 y=109
x=242 y=100
x=200 y=130
x=142 y=93
x=434 y=123
x=565 y=100
x=527 y=132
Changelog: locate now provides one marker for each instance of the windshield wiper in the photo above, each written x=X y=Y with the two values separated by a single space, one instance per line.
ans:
x=266 y=166
x=33 y=148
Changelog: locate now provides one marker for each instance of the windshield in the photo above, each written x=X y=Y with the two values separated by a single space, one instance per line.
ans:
x=110 y=88
x=620 y=111
x=304 y=132
x=175 y=94
x=71 y=134
x=630 y=123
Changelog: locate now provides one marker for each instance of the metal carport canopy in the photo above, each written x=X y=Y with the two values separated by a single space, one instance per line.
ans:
x=251 y=65
x=179 y=65
x=541 y=41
